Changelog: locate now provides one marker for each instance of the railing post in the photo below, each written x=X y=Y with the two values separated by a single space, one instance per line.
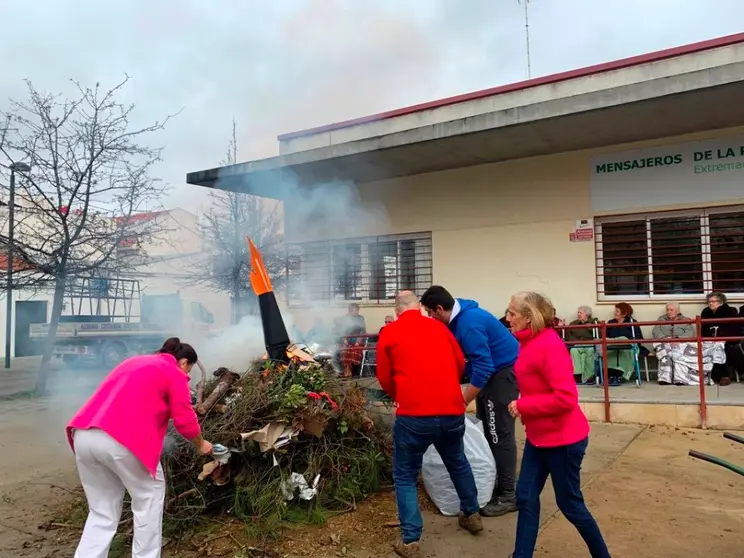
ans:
x=604 y=372
x=701 y=371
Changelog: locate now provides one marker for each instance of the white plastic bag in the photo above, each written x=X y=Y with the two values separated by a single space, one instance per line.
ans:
x=437 y=480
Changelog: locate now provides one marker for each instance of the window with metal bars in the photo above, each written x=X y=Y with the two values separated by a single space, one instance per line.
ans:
x=673 y=254
x=369 y=270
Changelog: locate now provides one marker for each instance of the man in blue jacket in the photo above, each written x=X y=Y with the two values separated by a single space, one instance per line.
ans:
x=490 y=350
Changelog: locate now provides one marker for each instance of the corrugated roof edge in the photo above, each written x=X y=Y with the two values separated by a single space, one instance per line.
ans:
x=508 y=88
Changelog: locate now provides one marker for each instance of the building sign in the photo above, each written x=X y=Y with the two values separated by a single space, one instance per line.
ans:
x=694 y=172
x=583 y=231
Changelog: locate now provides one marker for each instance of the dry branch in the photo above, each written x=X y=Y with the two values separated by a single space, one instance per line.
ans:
x=224 y=264
x=226 y=379
x=202 y=383
x=351 y=457
x=89 y=175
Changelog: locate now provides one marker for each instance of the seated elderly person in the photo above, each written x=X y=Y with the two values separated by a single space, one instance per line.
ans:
x=351 y=351
x=678 y=362
x=388 y=320
x=621 y=358
x=726 y=368
x=582 y=356
x=671 y=329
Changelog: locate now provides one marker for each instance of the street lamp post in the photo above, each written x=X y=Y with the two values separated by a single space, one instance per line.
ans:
x=14 y=167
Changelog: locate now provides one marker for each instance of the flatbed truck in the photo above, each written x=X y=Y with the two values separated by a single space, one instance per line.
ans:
x=105 y=339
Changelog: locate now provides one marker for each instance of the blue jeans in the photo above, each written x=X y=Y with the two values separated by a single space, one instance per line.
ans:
x=412 y=437
x=563 y=464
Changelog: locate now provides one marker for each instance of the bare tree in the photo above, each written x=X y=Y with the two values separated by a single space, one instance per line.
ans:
x=226 y=264
x=89 y=175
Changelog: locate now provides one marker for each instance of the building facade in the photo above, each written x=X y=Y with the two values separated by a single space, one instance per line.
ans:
x=622 y=182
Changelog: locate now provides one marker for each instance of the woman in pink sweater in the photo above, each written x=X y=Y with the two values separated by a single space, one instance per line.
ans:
x=557 y=430
x=117 y=437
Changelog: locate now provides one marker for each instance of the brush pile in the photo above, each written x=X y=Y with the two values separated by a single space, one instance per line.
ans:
x=292 y=442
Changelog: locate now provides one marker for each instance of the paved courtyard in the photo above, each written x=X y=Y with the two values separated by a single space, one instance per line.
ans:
x=649 y=497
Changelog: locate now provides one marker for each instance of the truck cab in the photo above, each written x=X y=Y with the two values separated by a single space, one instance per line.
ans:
x=173 y=311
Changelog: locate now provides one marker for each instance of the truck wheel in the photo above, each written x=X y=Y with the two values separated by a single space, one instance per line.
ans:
x=113 y=354
x=70 y=360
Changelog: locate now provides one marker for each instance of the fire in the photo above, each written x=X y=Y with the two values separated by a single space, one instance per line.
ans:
x=294 y=353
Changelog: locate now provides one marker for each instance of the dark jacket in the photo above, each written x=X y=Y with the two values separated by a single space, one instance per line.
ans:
x=629 y=331
x=581 y=334
x=720 y=330
x=487 y=344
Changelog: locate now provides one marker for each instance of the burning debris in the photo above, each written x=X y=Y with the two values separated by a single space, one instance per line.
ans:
x=291 y=440
x=272 y=426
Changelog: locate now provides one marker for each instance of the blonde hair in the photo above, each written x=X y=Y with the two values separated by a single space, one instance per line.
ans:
x=536 y=307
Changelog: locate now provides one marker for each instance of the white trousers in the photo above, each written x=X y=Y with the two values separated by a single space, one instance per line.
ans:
x=107 y=469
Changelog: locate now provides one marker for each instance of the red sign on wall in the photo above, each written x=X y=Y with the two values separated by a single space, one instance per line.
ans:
x=581 y=235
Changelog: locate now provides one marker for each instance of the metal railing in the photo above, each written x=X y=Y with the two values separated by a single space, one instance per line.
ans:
x=603 y=343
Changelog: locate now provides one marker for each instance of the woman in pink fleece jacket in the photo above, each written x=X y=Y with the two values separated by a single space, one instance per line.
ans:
x=557 y=430
x=117 y=437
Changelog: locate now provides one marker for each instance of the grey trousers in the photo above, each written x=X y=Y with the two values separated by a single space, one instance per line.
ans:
x=492 y=407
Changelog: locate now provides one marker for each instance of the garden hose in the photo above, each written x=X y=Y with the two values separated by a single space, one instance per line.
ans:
x=733 y=437
x=717 y=460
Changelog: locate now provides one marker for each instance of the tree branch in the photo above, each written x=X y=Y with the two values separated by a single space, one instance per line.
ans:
x=90 y=176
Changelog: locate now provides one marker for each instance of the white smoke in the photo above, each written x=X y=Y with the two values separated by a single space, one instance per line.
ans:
x=237 y=346
x=320 y=212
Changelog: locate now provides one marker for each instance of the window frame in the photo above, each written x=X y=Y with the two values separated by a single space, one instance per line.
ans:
x=366 y=267
x=703 y=213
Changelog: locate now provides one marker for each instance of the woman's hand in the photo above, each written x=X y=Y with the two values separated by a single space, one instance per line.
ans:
x=205 y=448
x=513 y=410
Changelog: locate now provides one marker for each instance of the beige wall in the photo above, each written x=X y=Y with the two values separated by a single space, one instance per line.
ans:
x=504 y=227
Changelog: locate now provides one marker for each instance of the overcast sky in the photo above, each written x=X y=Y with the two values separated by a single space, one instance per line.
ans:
x=283 y=65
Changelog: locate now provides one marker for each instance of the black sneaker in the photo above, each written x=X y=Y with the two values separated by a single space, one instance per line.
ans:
x=499 y=506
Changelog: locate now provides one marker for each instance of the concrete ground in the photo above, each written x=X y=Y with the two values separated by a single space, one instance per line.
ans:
x=654 y=393
x=37 y=473
x=442 y=538
x=649 y=498
x=21 y=376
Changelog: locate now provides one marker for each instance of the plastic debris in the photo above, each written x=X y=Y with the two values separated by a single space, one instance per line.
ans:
x=296 y=482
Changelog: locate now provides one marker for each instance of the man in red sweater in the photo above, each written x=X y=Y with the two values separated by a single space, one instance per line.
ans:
x=419 y=364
